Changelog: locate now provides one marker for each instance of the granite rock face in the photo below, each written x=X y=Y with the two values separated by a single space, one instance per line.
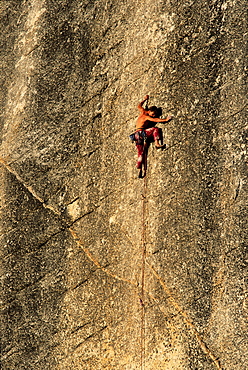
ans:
x=100 y=269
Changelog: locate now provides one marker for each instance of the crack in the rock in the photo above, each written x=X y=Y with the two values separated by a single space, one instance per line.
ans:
x=39 y=245
x=47 y=206
x=28 y=285
x=237 y=190
x=72 y=350
x=29 y=188
x=33 y=49
x=49 y=238
x=81 y=283
x=93 y=334
x=72 y=201
x=224 y=118
x=95 y=261
x=186 y=318
x=80 y=327
x=170 y=297
x=84 y=215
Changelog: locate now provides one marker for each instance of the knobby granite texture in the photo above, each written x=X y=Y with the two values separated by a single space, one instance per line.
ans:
x=100 y=269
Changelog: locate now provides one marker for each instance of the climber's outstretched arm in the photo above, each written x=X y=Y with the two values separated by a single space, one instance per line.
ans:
x=140 y=106
x=167 y=119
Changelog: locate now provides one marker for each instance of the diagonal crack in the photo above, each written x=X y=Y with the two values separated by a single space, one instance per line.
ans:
x=186 y=318
x=170 y=297
x=28 y=187
x=95 y=261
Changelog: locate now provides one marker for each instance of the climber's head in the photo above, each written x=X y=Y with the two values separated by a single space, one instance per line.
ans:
x=152 y=111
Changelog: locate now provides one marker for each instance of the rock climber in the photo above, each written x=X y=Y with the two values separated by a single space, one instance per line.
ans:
x=146 y=133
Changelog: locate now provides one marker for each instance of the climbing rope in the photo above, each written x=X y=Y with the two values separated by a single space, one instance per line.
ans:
x=142 y=300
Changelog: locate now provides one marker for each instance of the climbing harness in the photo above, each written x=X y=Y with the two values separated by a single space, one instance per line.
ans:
x=138 y=137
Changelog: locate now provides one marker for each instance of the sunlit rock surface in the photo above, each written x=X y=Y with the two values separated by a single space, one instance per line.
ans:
x=100 y=269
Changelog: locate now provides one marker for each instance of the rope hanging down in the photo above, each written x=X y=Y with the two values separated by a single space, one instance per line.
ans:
x=142 y=340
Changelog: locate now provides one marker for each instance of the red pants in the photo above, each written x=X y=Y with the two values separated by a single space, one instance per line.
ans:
x=152 y=134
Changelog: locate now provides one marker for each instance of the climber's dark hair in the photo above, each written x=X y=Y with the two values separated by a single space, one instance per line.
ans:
x=158 y=111
x=153 y=108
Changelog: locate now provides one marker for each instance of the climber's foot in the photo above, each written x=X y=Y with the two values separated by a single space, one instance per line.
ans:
x=160 y=146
